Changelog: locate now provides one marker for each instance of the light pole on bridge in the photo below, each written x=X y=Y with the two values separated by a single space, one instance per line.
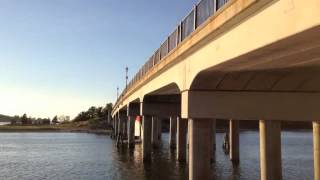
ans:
x=127 y=69
x=117 y=92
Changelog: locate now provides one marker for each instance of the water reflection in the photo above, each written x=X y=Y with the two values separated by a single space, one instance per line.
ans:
x=296 y=152
x=75 y=156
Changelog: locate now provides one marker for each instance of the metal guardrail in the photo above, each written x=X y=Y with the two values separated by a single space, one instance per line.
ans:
x=199 y=14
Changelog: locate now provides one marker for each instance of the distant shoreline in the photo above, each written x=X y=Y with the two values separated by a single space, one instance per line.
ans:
x=55 y=129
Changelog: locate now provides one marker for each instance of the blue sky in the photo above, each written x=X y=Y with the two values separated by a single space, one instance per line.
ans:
x=62 y=56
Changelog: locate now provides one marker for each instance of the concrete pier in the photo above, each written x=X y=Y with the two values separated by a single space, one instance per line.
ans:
x=213 y=145
x=125 y=127
x=270 y=150
x=188 y=140
x=120 y=127
x=146 y=137
x=199 y=151
x=234 y=141
x=119 y=135
x=173 y=132
x=115 y=127
x=159 y=129
x=316 y=149
x=131 y=127
x=182 y=127
x=155 y=132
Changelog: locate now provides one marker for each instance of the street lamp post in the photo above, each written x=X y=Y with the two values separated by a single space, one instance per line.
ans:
x=117 y=92
x=127 y=76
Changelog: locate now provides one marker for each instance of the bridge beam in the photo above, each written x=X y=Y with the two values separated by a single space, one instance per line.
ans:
x=161 y=109
x=270 y=150
x=182 y=127
x=250 y=105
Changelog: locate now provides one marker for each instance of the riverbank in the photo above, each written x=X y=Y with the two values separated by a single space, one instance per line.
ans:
x=69 y=127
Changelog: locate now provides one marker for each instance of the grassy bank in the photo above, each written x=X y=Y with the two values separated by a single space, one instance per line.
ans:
x=66 y=127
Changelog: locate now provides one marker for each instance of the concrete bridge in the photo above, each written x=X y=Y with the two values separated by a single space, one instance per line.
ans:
x=230 y=60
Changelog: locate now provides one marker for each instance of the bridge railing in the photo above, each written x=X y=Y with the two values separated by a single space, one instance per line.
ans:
x=198 y=15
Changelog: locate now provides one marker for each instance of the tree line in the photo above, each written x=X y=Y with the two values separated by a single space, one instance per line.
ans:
x=96 y=116
x=25 y=120
x=94 y=112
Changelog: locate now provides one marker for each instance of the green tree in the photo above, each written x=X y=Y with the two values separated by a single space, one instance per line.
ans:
x=92 y=112
x=83 y=116
x=55 y=120
x=97 y=113
x=24 y=119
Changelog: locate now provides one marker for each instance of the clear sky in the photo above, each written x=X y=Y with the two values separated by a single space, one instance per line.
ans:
x=63 y=56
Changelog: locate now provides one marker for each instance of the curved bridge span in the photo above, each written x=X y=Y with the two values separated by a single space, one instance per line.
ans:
x=230 y=60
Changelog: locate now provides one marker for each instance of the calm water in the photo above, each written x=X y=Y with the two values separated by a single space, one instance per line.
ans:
x=76 y=156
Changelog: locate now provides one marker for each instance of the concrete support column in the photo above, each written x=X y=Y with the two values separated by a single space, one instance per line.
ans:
x=199 y=150
x=125 y=127
x=155 y=133
x=182 y=128
x=146 y=137
x=159 y=129
x=316 y=149
x=140 y=127
x=115 y=127
x=131 y=124
x=214 y=131
x=173 y=131
x=213 y=145
x=119 y=135
x=234 y=141
x=188 y=140
x=270 y=150
x=119 y=124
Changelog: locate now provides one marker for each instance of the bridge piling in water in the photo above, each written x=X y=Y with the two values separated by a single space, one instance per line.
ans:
x=213 y=141
x=234 y=141
x=155 y=134
x=115 y=127
x=316 y=149
x=125 y=127
x=159 y=129
x=146 y=137
x=182 y=128
x=270 y=150
x=173 y=132
x=199 y=151
x=131 y=131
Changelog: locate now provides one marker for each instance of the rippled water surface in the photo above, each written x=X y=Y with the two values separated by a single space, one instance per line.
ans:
x=77 y=156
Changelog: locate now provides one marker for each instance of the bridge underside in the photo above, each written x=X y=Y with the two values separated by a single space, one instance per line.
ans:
x=276 y=82
x=290 y=65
